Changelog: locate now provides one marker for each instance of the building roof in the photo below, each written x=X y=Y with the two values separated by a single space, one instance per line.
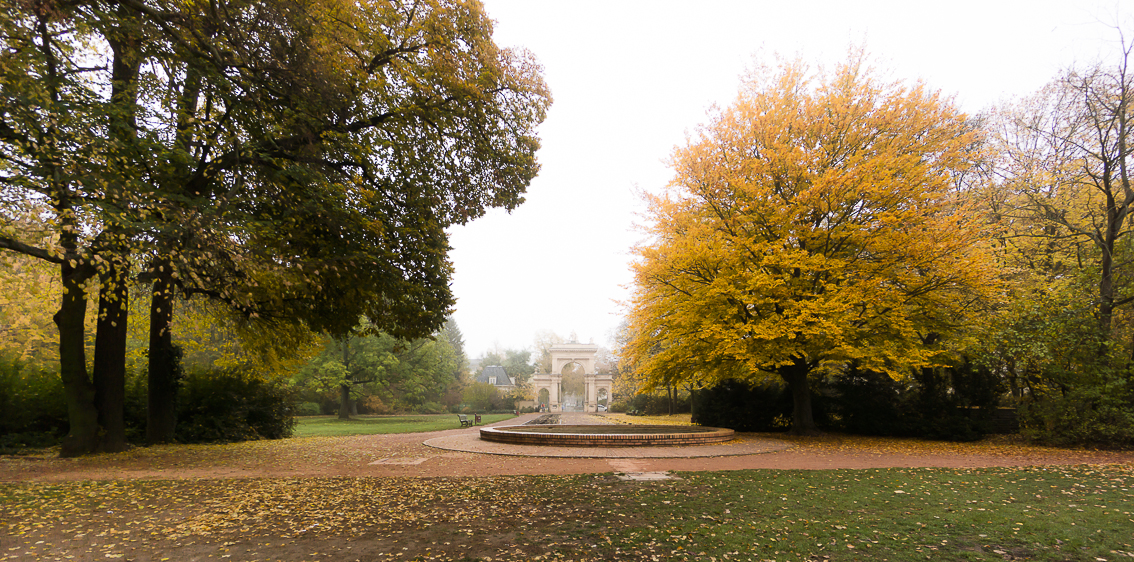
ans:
x=502 y=378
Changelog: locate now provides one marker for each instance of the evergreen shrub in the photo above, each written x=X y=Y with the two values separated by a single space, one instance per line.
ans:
x=953 y=403
x=947 y=403
x=1097 y=412
x=620 y=406
x=867 y=402
x=744 y=406
x=658 y=405
x=226 y=405
x=33 y=412
x=307 y=409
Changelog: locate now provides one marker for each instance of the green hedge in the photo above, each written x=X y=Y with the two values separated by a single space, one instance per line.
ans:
x=32 y=410
x=744 y=407
x=951 y=403
x=212 y=406
x=232 y=405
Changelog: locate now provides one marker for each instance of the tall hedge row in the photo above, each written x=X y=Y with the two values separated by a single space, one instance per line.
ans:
x=945 y=403
x=213 y=405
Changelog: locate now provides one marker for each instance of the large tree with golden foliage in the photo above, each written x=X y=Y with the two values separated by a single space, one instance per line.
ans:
x=820 y=219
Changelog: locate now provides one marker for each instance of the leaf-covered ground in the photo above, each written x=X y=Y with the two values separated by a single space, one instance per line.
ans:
x=389 y=497
x=1041 y=513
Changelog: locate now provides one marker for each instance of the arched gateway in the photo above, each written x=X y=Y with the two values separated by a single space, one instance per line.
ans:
x=583 y=355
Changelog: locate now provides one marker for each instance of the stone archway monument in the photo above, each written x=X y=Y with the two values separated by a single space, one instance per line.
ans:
x=582 y=354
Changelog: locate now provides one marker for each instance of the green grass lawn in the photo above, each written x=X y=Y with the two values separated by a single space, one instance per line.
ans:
x=323 y=426
x=1047 y=513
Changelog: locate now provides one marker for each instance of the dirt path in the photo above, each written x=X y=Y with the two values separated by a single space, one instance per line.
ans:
x=407 y=455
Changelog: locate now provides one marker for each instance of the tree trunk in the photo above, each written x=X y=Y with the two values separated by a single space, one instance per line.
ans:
x=110 y=358
x=795 y=375
x=1106 y=281
x=692 y=404
x=78 y=391
x=164 y=363
x=109 y=371
x=344 y=401
x=344 y=406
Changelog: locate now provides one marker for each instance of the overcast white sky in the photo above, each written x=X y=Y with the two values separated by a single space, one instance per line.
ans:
x=630 y=79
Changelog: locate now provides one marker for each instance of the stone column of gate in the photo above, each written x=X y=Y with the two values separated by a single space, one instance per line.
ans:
x=590 y=402
x=553 y=393
x=604 y=382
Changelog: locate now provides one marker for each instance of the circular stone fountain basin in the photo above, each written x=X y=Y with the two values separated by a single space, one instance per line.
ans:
x=606 y=435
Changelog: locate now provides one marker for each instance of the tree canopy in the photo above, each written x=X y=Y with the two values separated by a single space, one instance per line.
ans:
x=297 y=160
x=818 y=219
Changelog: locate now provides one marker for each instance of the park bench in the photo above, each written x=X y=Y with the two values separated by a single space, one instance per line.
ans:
x=466 y=422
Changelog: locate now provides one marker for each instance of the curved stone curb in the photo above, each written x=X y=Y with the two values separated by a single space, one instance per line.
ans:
x=472 y=443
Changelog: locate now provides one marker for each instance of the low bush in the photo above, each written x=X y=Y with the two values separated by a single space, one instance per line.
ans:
x=950 y=403
x=33 y=412
x=1098 y=413
x=868 y=402
x=657 y=405
x=373 y=405
x=212 y=405
x=743 y=406
x=307 y=409
x=224 y=405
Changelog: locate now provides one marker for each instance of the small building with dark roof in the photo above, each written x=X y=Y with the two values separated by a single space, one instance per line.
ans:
x=496 y=376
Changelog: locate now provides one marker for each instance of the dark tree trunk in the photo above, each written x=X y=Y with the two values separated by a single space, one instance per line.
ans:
x=78 y=391
x=344 y=401
x=795 y=375
x=692 y=404
x=110 y=333
x=345 y=406
x=110 y=358
x=164 y=363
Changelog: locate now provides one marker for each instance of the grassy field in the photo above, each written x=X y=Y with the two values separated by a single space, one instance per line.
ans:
x=325 y=426
x=1079 y=513
x=1051 y=513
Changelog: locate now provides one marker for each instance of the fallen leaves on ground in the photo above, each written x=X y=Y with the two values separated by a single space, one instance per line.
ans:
x=410 y=518
x=902 y=514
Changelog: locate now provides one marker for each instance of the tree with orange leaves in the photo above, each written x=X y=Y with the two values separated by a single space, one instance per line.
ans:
x=820 y=219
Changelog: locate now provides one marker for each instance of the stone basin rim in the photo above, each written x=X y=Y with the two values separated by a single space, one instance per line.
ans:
x=606 y=436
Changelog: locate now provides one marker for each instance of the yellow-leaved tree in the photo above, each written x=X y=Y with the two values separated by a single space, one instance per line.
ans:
x=820 y=219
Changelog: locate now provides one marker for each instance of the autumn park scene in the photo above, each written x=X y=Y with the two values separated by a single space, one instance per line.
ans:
x=860 y=320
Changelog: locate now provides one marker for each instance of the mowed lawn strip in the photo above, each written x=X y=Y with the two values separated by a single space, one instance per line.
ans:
x=1038 y=513
x=330 y=426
